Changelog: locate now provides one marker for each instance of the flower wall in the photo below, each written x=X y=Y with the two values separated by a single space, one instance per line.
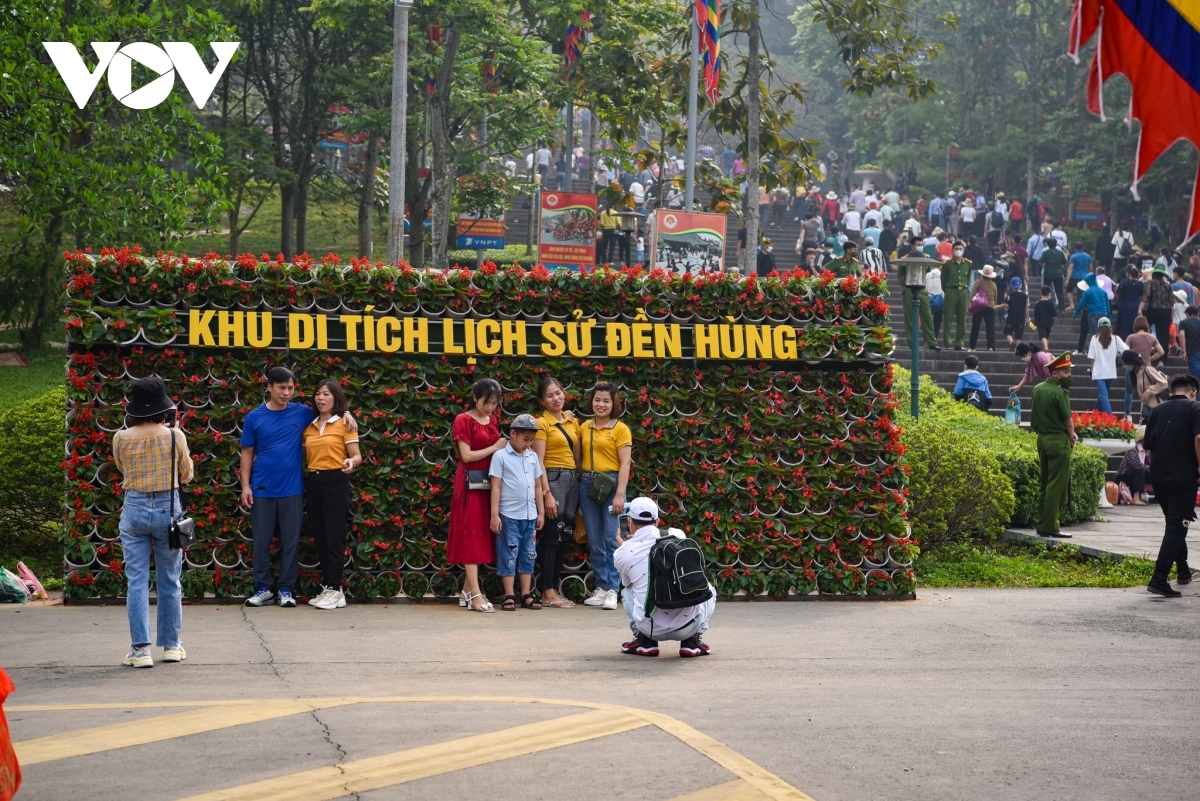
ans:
x=789 y=474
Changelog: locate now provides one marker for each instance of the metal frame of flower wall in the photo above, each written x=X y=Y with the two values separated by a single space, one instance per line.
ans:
x=789 y=475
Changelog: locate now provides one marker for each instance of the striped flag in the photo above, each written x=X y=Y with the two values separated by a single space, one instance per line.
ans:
x=1155 y=44
x=574 y=41
x=435 y=43
x=708 y=18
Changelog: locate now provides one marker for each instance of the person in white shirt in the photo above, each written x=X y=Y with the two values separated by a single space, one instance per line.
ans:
x=1104 y=351
x=913 y=226
x=632 y=559
x=966 y=218
x=1120 y=237
x=852 y=224
x=639 y=193
x=858 y=199
x=1061 y=235
x=873 y=218
x=892 y=199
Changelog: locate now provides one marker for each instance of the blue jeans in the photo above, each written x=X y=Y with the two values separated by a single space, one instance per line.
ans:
x=1102 y=385
x=516 y=548
x=1194 y=363
x=145 y=518
x=698 y=624
x=602 y=535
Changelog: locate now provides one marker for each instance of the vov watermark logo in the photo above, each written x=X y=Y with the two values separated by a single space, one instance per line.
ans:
x=118 y=60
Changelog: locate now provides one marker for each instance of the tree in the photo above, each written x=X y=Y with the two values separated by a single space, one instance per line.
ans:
x=98 y=175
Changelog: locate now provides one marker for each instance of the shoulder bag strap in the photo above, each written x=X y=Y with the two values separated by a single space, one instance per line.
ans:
x=174 y=474
x=592 y=447
x=566 y=436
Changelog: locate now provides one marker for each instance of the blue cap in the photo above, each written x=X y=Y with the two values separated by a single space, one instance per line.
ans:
x=1015 y=283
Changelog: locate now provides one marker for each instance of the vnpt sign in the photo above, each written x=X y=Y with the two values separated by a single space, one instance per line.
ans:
x=118 y=60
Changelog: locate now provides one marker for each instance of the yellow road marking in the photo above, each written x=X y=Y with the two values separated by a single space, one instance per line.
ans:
x=753 y=774
x=222 y=714
x=164 y=727
x=736 y=790
x=388 y=770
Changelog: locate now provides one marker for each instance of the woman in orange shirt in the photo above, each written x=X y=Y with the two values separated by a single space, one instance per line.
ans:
x=331 y=452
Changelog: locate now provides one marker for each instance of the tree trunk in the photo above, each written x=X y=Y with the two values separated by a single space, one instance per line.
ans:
x=752 y=145
x=1031 y=94
x=287 y=202
x=51 y=259
x=235 y=211
x=439 y=121
x=414 y=188
x=366 y=199
x=302 y=186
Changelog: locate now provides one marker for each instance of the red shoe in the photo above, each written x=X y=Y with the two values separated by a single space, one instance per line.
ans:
x=640 y=646
x=692 y=646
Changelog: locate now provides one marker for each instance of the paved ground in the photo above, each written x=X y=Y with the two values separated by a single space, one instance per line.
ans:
x=1126 y=530
x=964 y=694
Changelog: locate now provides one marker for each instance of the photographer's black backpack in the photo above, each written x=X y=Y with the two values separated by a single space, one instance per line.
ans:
x=677 y=578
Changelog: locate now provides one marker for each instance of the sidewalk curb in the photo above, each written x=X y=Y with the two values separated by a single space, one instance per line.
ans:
x=1086 y=550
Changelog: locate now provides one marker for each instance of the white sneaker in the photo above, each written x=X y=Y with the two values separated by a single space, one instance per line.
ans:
x=139 y=657
x=597 y=598
x=261 y=598
x=174 y=653
x=610 y=600
x=316 y=599
x=332 y=599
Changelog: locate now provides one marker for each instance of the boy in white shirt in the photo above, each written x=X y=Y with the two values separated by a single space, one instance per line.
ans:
x=517 y=510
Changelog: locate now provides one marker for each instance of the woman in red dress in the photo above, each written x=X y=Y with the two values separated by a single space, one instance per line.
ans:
x=471 y=542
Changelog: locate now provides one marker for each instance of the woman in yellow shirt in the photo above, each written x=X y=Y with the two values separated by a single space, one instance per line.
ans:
x=557 y=446
x=606 y=450
x=331 y=452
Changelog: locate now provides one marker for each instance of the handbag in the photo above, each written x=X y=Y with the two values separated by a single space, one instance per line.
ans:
x=1012 y=411
x=602 y=484
x=182 y=531
x=937 y=302
x=478 y=480
x=978 y=303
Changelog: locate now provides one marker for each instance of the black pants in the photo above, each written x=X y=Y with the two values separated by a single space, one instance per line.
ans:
x=988 y=317
x=1160 y=320
x=608 y=239
x=624 y=240
x=1136 y=481
x=327 y=502
x=1179 y=507
x=1060 y=294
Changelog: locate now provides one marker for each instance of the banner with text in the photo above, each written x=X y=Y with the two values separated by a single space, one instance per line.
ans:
x=567 y=229
x=479 y=233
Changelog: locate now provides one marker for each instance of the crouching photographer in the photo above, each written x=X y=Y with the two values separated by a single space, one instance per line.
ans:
x=666 y=593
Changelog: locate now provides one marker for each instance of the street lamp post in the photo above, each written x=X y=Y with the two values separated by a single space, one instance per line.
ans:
x=915 y=267
x=395 y=240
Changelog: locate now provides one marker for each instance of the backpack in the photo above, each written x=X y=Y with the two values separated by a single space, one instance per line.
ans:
x=677 y=578
x=1126 y=248
x=997 y=219
x=976 y=398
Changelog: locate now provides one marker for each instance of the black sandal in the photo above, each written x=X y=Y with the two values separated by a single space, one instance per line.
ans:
x=509 y=603
x=530 y=601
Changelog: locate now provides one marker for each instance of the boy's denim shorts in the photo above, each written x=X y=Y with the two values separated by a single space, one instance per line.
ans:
x=516 y=550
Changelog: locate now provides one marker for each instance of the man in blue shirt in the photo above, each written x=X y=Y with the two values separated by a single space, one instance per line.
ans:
x=1081 y=265
x=937 y=207
x=273 y=483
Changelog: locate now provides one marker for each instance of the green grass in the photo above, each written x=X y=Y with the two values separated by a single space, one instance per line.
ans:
x=46 y=371
x=1016 y=564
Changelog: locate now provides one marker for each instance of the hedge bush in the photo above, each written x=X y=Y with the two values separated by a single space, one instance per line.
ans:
x=512 y=254
x=31 y=477
x=1014 y=449
x=957 y=489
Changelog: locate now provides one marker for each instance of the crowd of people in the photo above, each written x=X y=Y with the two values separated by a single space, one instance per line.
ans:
x=514 y=505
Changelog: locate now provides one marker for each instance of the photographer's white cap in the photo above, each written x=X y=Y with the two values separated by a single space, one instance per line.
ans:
x=643 y=510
